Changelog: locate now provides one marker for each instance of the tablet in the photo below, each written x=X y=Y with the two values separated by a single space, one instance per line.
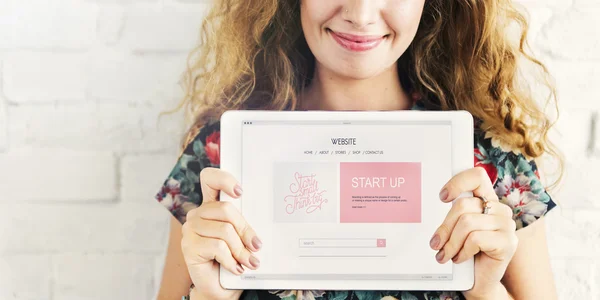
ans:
x=346 y=200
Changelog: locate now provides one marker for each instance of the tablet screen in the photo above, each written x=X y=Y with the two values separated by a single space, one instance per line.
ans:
x=345 y=200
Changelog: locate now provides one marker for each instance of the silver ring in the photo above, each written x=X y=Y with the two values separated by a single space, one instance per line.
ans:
x=486 y=205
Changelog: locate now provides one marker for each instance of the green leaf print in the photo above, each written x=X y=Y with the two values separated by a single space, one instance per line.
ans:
x=198 y=148
x=523 y=165
x=536 y=186
x=185 y=159
x=367 y=295
x=194 y=198
x=509 y=167
x=179 y=176
x=186 y=186
x=251 y=295
x=192 y=177
x=339 y=295
x=544 y=197
x=482 y=150
x=407 y=296
x=176 y=170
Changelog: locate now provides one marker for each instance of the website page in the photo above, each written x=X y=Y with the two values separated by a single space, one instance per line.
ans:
x=336 y=200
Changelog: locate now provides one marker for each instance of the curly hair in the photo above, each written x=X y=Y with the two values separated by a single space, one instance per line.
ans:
x=253 y=55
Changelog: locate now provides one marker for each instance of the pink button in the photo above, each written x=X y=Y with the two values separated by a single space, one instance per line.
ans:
x=380 y=243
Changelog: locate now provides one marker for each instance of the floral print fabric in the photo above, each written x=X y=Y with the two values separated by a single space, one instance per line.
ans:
x=515 y=178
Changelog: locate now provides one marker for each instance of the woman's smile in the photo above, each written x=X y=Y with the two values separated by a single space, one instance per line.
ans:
x=357 y=43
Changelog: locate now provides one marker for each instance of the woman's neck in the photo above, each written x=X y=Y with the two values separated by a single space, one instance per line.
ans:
x=328 y=91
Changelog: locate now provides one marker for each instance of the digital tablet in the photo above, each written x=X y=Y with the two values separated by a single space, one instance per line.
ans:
x=346 y=200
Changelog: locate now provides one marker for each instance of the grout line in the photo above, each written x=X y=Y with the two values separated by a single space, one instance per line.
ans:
x=3 y=112
x=52 y=283
x=591 y=148
x=118 y=183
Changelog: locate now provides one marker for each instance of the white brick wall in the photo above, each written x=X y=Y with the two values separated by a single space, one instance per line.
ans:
x=82 y=154
x=109 y=276
x=35 y=76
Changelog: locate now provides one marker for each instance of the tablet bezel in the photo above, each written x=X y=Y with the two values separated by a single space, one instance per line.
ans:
x=462 y=159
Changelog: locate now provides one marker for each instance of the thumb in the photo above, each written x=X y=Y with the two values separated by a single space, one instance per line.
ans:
x=213 y=180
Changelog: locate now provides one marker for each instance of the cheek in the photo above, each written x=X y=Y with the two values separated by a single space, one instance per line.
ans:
x=314 y=16
x=315 y=13
x=403 y=17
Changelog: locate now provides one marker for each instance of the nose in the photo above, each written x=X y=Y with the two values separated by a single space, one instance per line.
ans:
x=360 y=13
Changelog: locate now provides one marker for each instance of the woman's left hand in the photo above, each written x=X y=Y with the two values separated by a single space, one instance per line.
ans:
x=468 y=232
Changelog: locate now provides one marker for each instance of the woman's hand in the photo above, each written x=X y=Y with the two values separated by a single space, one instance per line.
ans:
x=467 y=232
x=216 y=233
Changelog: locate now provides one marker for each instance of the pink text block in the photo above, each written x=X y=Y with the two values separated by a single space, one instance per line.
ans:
x=380 y=192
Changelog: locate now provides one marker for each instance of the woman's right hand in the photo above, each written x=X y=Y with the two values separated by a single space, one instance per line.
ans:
x=216 y=234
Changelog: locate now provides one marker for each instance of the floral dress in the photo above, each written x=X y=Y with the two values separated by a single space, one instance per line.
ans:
x=514 y=176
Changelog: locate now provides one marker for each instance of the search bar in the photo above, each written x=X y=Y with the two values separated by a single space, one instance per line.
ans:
x=342 y=243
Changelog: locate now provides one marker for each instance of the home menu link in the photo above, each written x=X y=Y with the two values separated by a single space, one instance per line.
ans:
x=343 y=152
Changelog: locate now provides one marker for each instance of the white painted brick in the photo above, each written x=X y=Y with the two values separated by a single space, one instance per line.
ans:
x=585 y=4
x=3 y=125
x=123 y=2
x=110 y=127
x=537 y=14
x=572 y=278
x=99 y=228
x=57 y=175
x=25 y=277
x=573 y=233
x=174 y=28
x=143 y=175
x=164 y=132
x=556 y=5
x=185 y=1
x=572 y=132
x=6 y=20
x=44 y=77
x=579 y=183
x=37 y=24
x=576 y=83
x=101 y=277
x=159 y=264
x=572 y=35
x=595 y=138
x=111 y=20
x=121 y=77
x=595 y=278
x=3 y=117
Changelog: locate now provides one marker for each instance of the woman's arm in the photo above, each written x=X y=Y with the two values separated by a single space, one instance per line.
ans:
x=175 y=280
x=529 y=274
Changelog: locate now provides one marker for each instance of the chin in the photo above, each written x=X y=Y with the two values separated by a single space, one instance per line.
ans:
x=357 y=73
x=356 y=68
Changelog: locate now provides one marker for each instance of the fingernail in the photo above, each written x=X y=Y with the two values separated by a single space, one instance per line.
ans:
x=237 y=190
x=256 y=242
x=443 y=194
x=440 y=255
x=254 y=261
x=240 y=269
x=435 y=241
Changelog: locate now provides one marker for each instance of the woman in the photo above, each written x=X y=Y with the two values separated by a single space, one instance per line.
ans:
x=367 y=55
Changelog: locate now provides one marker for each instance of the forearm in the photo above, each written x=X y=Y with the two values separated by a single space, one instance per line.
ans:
x=498 y=293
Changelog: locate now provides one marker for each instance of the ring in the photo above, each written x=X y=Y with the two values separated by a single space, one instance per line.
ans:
x=486 y=205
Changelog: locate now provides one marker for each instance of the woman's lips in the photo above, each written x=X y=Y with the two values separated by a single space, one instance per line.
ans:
x=358 y=43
